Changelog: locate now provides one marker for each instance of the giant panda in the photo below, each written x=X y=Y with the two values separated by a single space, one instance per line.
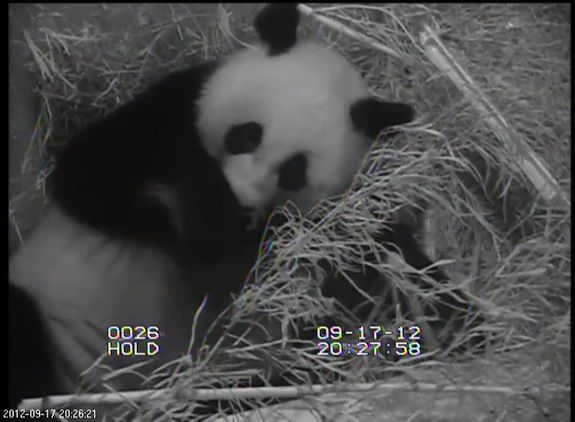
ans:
x=152 y=205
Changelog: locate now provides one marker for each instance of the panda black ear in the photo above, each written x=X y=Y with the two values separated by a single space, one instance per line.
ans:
x=371 y=116
x=277 y=25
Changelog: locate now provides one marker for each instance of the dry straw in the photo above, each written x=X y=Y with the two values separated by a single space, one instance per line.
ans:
x=487 y=222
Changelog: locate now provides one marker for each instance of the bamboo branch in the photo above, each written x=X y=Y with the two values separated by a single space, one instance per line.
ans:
x=528 y=161
x=287 y=392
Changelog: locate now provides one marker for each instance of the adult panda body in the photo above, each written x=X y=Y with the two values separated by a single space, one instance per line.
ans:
x=149 y=203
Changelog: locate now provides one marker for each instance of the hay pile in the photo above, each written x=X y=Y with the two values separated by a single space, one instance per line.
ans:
x=485 y=223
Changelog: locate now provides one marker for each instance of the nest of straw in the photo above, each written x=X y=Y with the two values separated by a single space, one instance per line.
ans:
x=484 y=222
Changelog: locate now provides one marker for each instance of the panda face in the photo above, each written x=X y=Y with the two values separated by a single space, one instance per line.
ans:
x=299 y=111
x=291 y=113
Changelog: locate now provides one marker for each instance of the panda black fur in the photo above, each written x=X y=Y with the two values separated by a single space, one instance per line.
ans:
x=149 y=202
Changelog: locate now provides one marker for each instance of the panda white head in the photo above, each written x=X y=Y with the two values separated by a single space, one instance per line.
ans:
x=291 y=121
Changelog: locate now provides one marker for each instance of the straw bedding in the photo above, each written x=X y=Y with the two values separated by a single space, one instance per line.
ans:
x=484 y=222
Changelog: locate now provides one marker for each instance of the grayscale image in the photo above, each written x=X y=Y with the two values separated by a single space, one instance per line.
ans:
x=335 y=212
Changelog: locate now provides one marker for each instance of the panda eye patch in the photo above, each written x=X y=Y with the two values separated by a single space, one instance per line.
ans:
x=243 y=138
x=292 y=173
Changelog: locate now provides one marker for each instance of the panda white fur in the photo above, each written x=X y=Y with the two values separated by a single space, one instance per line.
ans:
x=149 y=202
x=315 y=87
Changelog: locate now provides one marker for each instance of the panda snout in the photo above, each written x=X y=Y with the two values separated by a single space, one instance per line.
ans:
x=253 y=183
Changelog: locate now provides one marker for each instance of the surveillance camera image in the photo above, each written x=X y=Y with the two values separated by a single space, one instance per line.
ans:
x=289 y=211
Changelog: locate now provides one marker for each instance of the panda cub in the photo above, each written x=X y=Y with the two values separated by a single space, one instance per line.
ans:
x=151 y=203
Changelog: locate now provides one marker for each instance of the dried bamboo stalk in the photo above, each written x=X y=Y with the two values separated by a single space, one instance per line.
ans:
x=531 y=165
x=275 y=392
